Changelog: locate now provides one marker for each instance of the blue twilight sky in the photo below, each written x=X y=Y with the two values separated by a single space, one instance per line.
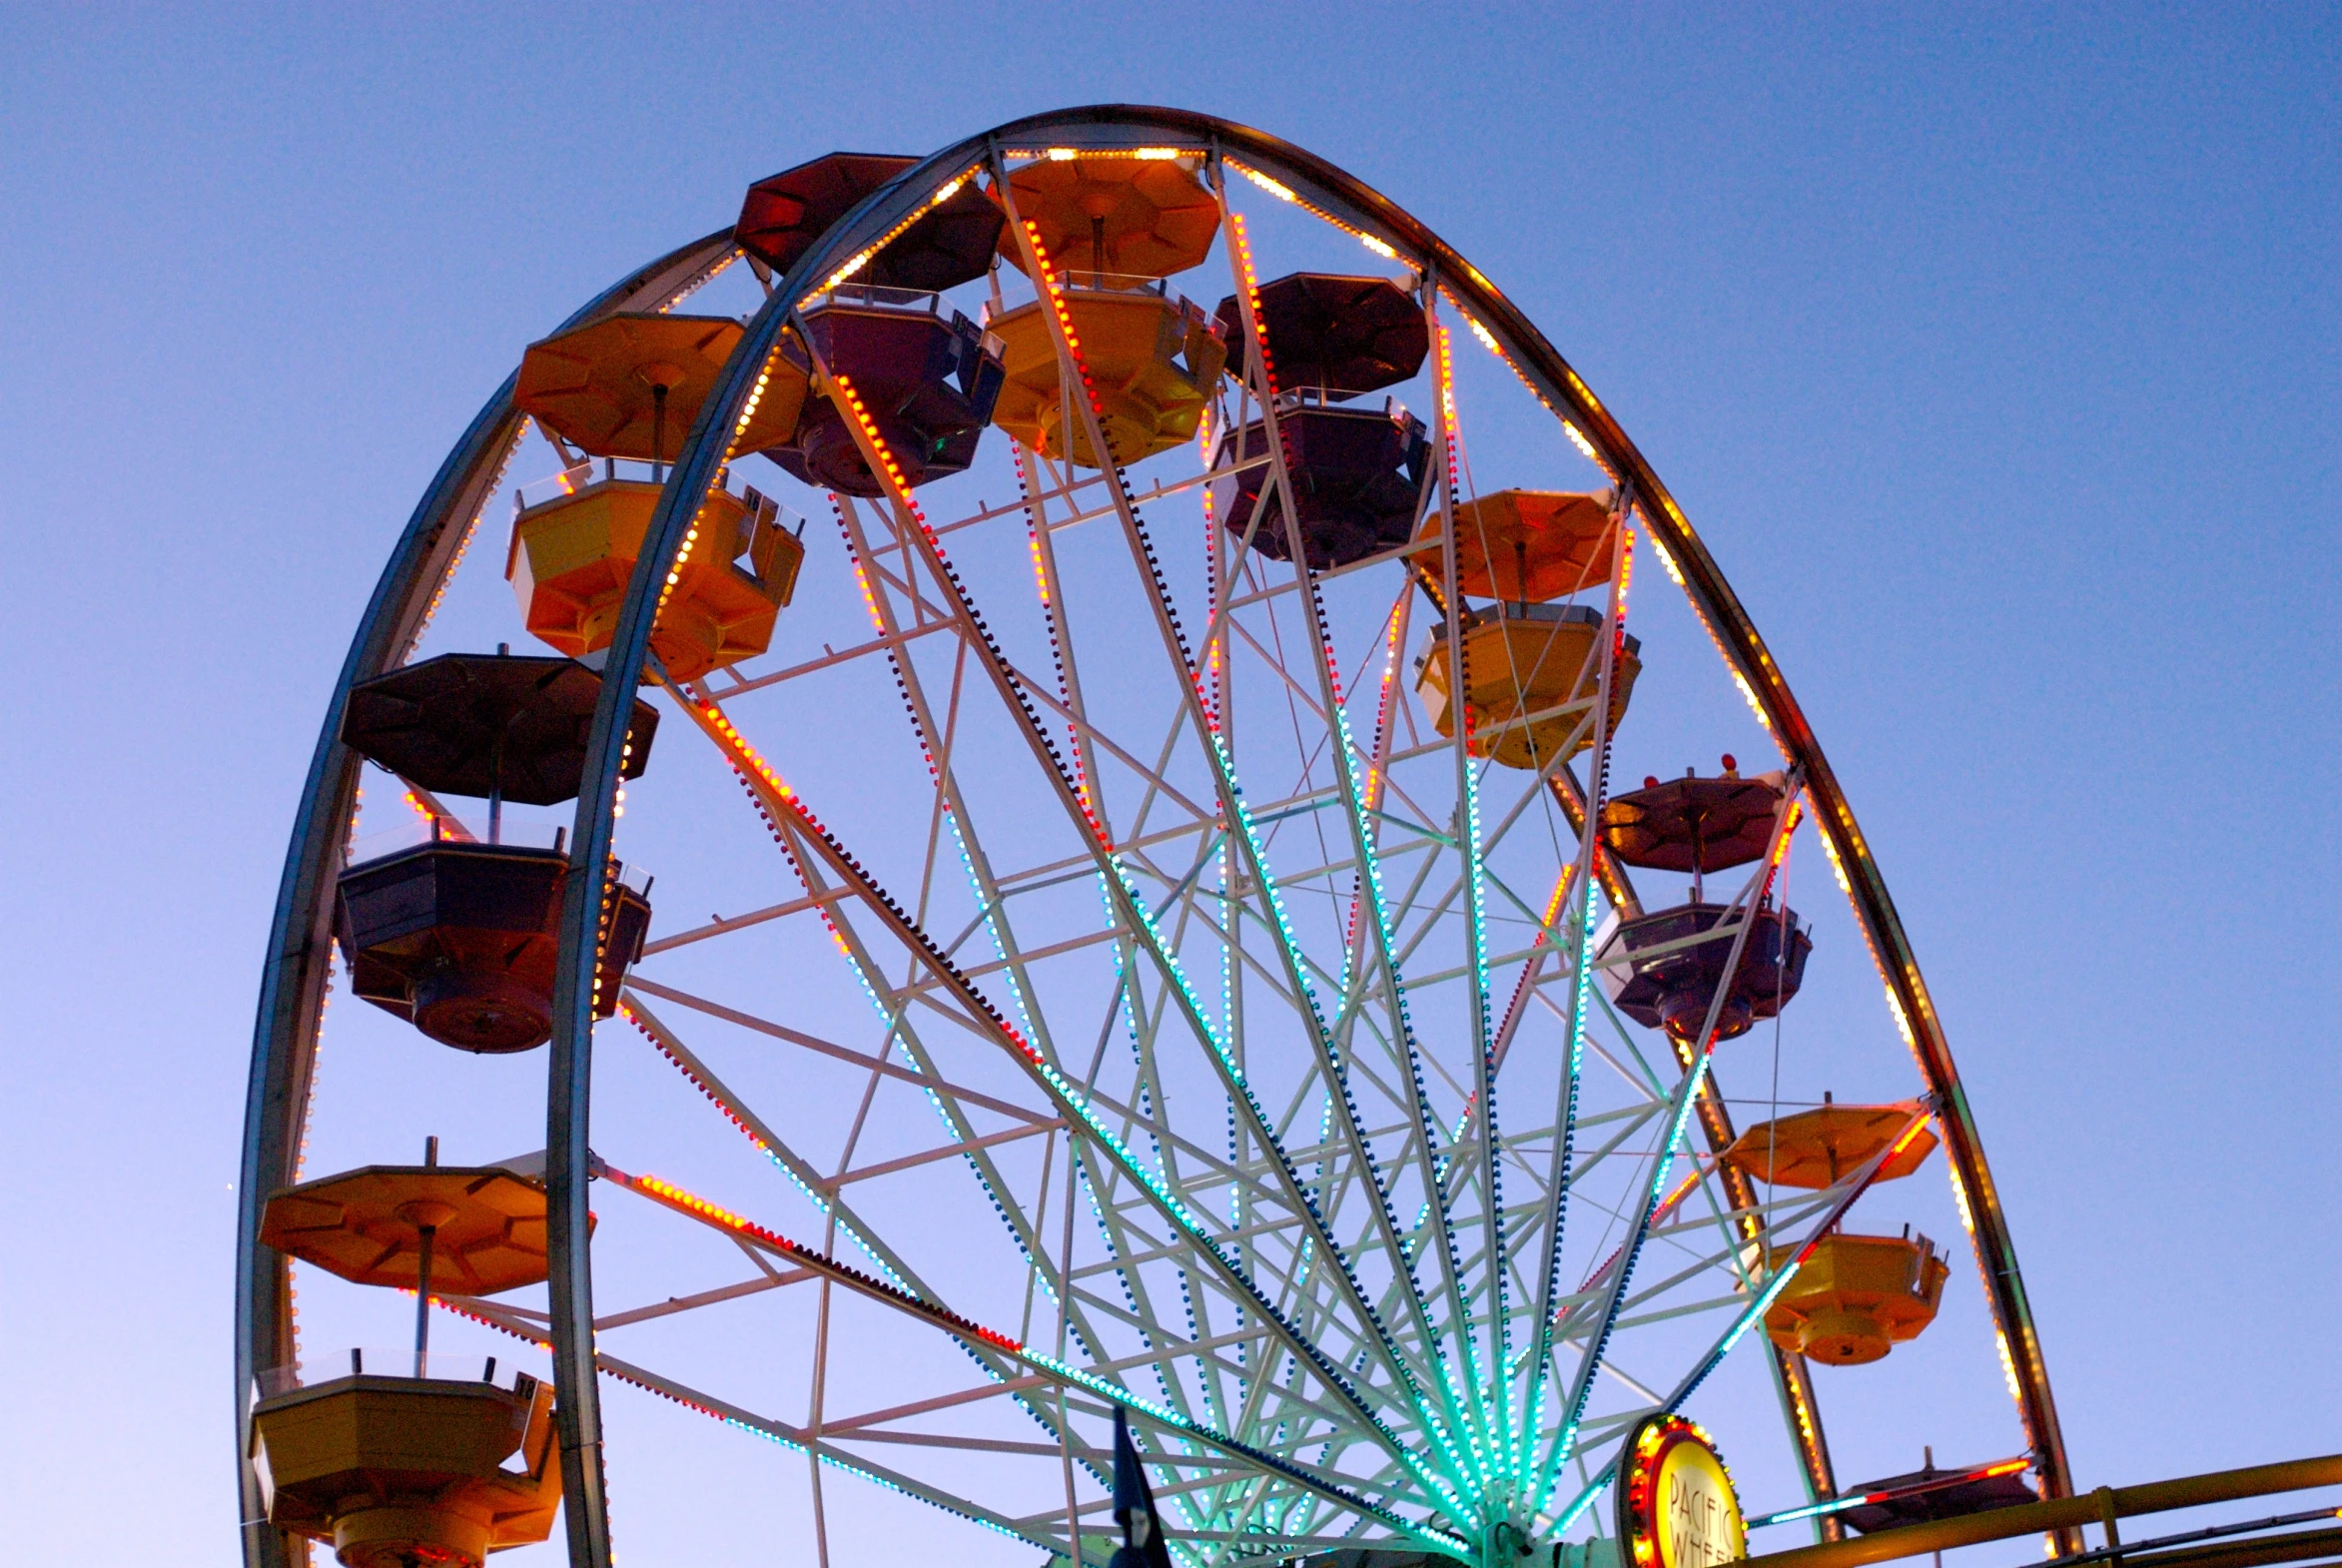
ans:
x=1995 y=352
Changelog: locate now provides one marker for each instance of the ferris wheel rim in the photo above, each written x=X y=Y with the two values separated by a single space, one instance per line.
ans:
x=295 y=973
x=1548 y=375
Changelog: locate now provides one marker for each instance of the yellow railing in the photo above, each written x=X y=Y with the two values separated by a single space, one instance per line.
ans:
x=2102 y=1507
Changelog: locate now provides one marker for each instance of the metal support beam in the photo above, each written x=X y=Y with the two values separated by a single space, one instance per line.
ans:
x=2064 y=1514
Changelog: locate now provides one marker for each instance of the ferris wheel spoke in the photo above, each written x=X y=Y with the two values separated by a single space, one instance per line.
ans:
x=1216 y=1523
x=1356 y=1148
x=1290 y=1402
x=771 y=1279
x=1064 y=488
x=898 y=1029
x=1535 y=789
x=911 y=1075
x=1216 y=1170
x=1282 y=1167
x=981 y=1339
x=725 y=925
x=1645 y=1084
x=1432 y=918
x=832 y=1204
x=1088 y=733
x=845 y=1427
x=938 y=751
x=1546 y=947
x=1164 y=1353
x=1580 y=1318
x=825 y=1195
x=877 y=575
x=1278 y=666
x=1237 y=1512
x=1752 y=1306
x=1550 y=1216
x=1471 y=882
x=1335 y=1336
x=817 y=845
x=1194 y=1292
x=1526 y=913
x=1117 y=880
x=1068 y=699
x=740 y=686
x=1648 y=1197
x=1576 y=894
x=1718 y=1303
x=1073 y=373
x=826 y=1191
x=788 y=1434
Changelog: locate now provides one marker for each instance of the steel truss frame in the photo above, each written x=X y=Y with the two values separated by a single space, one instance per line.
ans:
x=1384 y=1317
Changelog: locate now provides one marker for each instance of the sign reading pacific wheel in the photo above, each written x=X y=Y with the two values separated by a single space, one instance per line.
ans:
x=1676 y=1503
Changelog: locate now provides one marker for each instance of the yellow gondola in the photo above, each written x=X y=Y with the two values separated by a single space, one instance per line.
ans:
x=1856 y=1297
x=395 y=1472
x=570 y=559
x=1153 y=359
x=1529 y=681
x=398 y=1469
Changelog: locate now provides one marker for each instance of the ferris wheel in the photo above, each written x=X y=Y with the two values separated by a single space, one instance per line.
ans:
x=1157 y=915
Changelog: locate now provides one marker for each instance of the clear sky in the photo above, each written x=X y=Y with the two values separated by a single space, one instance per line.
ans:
x=1994 y=353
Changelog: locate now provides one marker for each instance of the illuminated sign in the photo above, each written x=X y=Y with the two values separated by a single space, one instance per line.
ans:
x=1676 y=1504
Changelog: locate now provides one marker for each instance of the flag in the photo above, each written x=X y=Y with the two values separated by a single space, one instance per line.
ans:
x=1143 y=1544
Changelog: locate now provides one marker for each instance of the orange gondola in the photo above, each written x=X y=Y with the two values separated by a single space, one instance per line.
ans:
x=1528 y=546
x=1127 y=217
x=1858 y=1297
x=630 y=384
x=1814 y=1149
x=396 y=1471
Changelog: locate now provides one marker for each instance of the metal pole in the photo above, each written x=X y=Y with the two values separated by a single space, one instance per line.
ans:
x=423 y=1299
x=497 y=788
x=422 y=1274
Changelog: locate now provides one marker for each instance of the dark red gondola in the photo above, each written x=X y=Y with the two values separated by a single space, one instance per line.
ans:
x=1357 y=473
x=493 y=725
x=1923 y=1496
x=1345 y=335
x=1672 y=989
x=462 y=938
x=1357 y=480
x=1693 y=824
x=928 y=383
x=950 y=243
